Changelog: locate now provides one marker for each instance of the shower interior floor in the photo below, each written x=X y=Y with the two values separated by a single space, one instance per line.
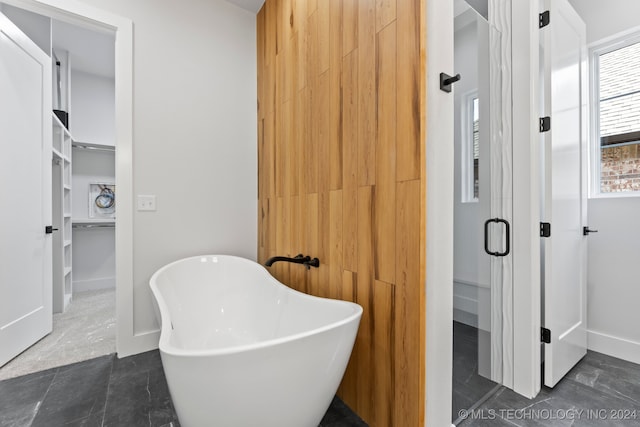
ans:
x=468 y=386
x=87 y=329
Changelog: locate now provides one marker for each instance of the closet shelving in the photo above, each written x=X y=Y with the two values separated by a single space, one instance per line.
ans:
x=82 y=221
x=61 y=215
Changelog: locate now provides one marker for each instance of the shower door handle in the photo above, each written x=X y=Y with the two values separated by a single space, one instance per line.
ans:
x=507 y=249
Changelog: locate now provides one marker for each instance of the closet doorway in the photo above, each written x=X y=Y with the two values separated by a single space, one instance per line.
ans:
x=83 y=192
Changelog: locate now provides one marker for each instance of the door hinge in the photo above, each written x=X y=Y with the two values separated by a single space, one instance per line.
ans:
x=545 y=124
x=545 y=229
x=545 y=18
x=545 y=335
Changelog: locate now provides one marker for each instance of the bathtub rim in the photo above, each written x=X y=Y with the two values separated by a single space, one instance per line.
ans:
x=165 y=331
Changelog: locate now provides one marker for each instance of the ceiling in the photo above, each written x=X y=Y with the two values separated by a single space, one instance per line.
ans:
x=89 y=51
x=250 y=5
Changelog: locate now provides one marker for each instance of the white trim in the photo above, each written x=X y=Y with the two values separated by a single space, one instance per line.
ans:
x=466 y=304
x=78 y=13
x=613 y=346
x=526 y=198
x=439 y=216
x=472 y=283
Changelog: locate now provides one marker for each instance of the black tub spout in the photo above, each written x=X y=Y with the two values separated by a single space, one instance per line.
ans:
x=298 y=259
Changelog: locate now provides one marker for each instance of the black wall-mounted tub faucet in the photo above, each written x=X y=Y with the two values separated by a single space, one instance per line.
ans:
x=298 y=259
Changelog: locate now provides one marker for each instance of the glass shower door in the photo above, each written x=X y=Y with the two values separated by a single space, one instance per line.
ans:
x=482 y=213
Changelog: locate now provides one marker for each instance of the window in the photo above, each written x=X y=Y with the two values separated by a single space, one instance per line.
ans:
x=470 y=147
x=616 y=86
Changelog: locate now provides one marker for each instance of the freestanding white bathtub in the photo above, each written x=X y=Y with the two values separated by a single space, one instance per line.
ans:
x=240 y=349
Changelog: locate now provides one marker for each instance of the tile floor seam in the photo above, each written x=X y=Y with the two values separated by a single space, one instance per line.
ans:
x=106 y=398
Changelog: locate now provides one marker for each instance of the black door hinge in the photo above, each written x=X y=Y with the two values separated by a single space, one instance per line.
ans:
x=545 y=18
x=545 y=335
x=545 y=229
x=545 y=124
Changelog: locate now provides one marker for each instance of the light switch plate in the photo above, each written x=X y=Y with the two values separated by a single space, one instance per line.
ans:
x=146 y=203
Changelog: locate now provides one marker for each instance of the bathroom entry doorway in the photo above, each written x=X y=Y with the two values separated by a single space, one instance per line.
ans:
x=87 y=317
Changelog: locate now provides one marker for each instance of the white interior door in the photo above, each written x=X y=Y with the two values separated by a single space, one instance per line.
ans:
x=565 y=190
x=25 y=192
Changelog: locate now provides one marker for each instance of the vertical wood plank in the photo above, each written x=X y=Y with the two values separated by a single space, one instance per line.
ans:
x=335 y=244
x=409 y=90
x=261 y=151
x=350 y=156
x=350 y=120
x=385 y=197
x=324 y=242
x=283 y=236
x=268 y=155
x=350 y=229
x=286 y=19
x=263 y=215
x=311 y=56
x=349 y=26
x=282 y=151
x=279 y=24
x=335 y=94
x=312 y=6
x=271 y=26
x=366 y=92
x=384 y=356
x=324 y=30
x=410 y=333
x=312 y=227
x=364 y=402
x=298 y=272
x=349 y=387
x=321 y=121
x=385 y=13
x=295 y=144
x=300 y=28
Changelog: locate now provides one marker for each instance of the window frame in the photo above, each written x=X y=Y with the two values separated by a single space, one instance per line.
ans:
x=466 y=147
x=595 y=162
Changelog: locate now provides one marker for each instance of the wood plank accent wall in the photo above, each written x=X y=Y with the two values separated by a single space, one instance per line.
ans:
x=341 y=87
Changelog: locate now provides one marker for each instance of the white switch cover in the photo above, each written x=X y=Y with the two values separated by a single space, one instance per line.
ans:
x=146 y=203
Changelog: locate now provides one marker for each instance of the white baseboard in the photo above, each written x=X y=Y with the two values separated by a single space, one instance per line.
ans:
x=138 y=343
x=94 y=284
x=614 y=346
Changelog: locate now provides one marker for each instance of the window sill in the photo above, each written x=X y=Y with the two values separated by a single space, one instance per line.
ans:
x=616 y=195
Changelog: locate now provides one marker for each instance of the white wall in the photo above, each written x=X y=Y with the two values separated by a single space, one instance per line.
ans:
x=613 y=279
x=92 y=117
x=605 y=18
x=195 y=144
x=94 y=263
x=613 y=253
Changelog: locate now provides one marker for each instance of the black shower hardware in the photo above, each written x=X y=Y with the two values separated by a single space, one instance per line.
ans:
x=298 y=259
x=586 y=230
x=508 y=237
x=446 y=81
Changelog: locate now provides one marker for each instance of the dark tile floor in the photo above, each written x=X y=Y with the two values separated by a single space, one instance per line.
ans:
x=108 y=391
x=599 y=391
x=468 y=386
